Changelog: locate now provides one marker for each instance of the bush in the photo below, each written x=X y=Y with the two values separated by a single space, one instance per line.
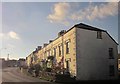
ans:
x=63 y=78
x=48 y=69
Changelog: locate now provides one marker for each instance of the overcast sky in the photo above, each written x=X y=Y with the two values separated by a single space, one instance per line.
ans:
x=26 y=25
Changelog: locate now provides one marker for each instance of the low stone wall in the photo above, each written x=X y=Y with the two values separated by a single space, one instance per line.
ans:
x=47 y=76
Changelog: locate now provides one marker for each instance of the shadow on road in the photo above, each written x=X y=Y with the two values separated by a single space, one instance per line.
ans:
x=77 y=82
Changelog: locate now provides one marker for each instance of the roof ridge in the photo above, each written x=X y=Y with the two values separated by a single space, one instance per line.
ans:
x=89 y=27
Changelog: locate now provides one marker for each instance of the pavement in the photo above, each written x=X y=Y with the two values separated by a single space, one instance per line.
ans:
x=13 y=74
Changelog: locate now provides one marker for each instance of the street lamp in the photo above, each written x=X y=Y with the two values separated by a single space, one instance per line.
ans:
x=8 y=54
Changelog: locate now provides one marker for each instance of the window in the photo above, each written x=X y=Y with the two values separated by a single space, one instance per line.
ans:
x=48 y=52
x=45 y=54
x=67 y=47
x=59 y=50
x=99 y=35
x=118 y=61
x=54 y=50
x=111 y=53
x=111 y=70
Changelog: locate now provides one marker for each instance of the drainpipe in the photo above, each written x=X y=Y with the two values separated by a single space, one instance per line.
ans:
x=63 y=50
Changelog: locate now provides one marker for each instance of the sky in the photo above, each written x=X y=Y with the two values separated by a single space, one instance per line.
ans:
x=26 y=25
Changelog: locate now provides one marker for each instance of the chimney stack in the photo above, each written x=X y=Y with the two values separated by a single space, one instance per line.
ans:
x=39 y=47
x=45 y=44
x=50 y=41
x=61 y=32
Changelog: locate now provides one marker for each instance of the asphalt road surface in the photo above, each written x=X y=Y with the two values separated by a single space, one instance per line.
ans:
x=12 y=74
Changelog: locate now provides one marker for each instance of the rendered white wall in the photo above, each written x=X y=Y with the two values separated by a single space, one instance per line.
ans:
x=93 y=56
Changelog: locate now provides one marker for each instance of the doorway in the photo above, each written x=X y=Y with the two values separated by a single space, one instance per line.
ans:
x=67 y=65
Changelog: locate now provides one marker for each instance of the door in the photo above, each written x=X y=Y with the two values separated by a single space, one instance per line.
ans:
x=67 y=65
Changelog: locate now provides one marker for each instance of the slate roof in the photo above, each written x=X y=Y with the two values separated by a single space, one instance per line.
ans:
x=88 y=27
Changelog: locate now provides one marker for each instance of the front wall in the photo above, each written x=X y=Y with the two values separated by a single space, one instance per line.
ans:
x=92 y=55
x=72 y=55
x=28 y=60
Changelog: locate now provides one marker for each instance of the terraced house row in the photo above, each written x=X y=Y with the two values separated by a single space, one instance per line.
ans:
x=86 y=52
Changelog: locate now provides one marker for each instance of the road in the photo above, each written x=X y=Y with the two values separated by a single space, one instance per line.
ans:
x=12 y=74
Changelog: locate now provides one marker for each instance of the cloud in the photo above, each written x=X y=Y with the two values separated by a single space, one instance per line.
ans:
x=64 y=12
x=10 y=46
x=10 y=35
x=96 y=12
x=60 y=11
x=112 y=0
x=1 y=35
x=13 y=35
